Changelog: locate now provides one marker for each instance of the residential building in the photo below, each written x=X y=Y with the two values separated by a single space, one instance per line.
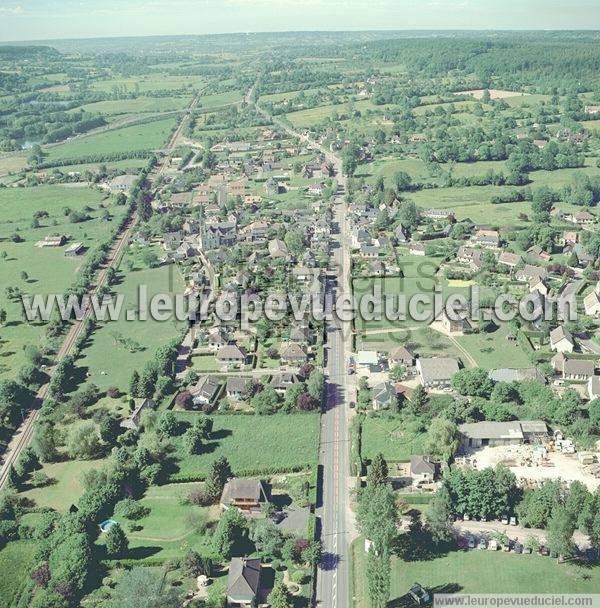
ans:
x=422 y=469
x=243 y=582
x=236 y=388
x=436 y=372
x=247 y=495
x=561 y=340
x=140 y=406
x=293 y=353
x=384 y=396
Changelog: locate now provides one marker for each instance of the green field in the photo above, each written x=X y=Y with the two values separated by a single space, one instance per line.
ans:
x=385 y=434
x=146 y=136
x=105 y=360
x=219 y=99
x=138 y=105
x=253 y=443
x=48 y=270
x=477 y=571
x=66 y=488
x=150 y=82
x=15 y=560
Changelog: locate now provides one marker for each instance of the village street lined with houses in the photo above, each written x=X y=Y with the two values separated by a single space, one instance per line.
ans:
x=256 y=455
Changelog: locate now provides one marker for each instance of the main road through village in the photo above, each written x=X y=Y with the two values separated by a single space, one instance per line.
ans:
x=333 y=506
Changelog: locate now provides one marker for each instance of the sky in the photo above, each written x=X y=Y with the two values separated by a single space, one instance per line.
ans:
x=56 y=19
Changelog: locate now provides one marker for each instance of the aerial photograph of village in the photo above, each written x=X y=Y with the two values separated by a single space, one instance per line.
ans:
x=299 y=303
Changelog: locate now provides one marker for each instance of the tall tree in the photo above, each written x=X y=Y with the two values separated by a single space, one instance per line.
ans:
x=378 y=471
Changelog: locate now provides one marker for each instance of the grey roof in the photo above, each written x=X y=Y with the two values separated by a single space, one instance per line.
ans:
x=243 y=580
x=437 y=368
x=509 y=374
x=236 y=384
x=558 y=333
x=581 y=367
x=231 y=351
x=420 y=465
x=501 y=430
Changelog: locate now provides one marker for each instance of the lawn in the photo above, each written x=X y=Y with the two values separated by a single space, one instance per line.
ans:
x=15 y=560
x=171 y=526
x=253 y=443
x=140 y=137
x=385 y=434
x=66 y=488
x=110 y=362
x=492 y=350
x=477 y=571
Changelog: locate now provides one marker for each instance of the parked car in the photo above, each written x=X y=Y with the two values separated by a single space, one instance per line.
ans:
x=493 y=545
x=513 y=521
x=544 y=550
x=526 y=550
x=482 y=544
x=278 y=516
x=506 y=547
x=419 y=594
x=518 y=548
x=467 y=517
x=471 y=542
x=504 y=520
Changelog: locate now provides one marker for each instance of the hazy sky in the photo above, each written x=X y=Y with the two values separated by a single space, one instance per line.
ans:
x=46 y=19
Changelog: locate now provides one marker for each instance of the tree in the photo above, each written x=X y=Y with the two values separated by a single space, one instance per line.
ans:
x=560 y=532
x=473 y=382
x=220 y=472
x=266 y=401
x=378 y=471
x=229 y=531
x=419 y=399
x=134 y=384
x=193 y=564
x=12 y=479
x=267 y=537
x=116 y=541
x=442 y=439
x=378 y=577
x=143 y=588
x=402 y=181
x=84 y=441
x=2 y=317
x=397 y=373
x=292 y=393
x=280 y=597
x=438 y=516
x=376 y=515
x=316 y=385
x=167 y=424
x=193 y=440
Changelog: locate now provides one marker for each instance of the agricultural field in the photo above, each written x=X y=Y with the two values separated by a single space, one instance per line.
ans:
x=146 y=136
x=47 y=269
x=16 y=559
x=140 y=105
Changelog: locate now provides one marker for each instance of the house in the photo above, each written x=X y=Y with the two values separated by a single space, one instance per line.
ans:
x=401 y=356
x=133 y=422
x=440 y=214
x=454 y=324
x=509 y=259
x=568 y=238
x=561 y=340
x=278 y=249
x=538 y=254
x=369 y=252
x=52 y=241
x=577 y=369
x=293 y=353
x=231 y=355
x=316 y=189
x=236 y=388
x=480 y=434
x=247 y=495
x=367 y=361
x=422 y=469
x=591 y=304
x=436 y=372
x=205 y=391
x=469 y=256
x=74 y=250
x=243 y=582
x=401 y=234
x=486 y=238
x=593 y=387
x=582 y=218
x=417 y=249
x=529 y=273
x=217 y=338
x=281 y=382
x=384 y=396
x=301 y=335
x=123 y=183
